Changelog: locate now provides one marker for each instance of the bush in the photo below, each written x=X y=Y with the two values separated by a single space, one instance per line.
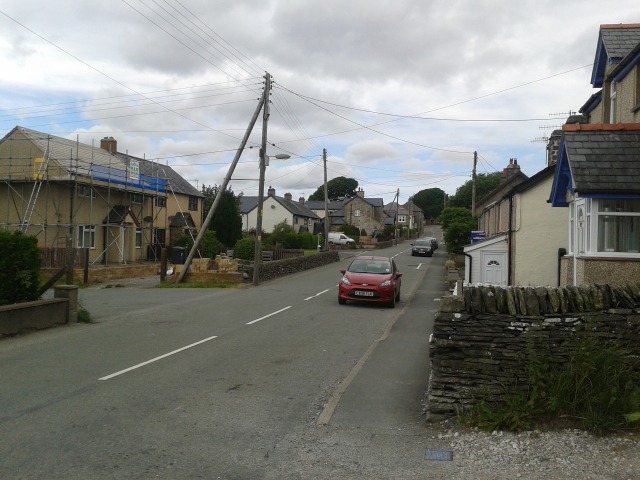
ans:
x=19 y=268
x=210 y=246
x=349 y=230
x=244 y=248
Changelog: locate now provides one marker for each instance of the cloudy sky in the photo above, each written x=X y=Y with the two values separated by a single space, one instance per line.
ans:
x=399 y=92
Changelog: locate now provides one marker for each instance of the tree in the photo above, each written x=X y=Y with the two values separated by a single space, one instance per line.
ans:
x=338 y=187
x=485 y=183
x=457 y=223
x=430 y=201
x=226 y=222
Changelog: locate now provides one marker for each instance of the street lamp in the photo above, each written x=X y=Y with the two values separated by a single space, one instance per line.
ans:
x=257 y=253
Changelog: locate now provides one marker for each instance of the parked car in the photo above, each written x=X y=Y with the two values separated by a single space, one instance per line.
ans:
x=422 y=247
x=370 y=279
x=338 y=238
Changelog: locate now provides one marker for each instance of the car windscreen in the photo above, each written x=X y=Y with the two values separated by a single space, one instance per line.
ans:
x=422 y=243
x=370 y=266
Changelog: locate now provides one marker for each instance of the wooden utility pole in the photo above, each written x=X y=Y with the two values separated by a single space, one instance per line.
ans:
x=257 y=254
x=326 y=202
x=473 y=184
x=222 y=188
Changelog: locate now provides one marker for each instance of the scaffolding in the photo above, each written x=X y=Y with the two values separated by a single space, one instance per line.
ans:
x=57 y=190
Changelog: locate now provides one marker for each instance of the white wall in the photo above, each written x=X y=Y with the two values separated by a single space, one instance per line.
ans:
x=540 y=231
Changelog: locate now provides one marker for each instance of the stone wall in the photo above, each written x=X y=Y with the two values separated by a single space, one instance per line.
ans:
x=279 y=268
x=480 y=339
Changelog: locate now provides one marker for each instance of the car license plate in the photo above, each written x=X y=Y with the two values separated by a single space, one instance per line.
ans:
x=363 y=293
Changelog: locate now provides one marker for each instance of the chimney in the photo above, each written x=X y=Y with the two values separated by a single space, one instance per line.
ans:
x=301 y=200
x=109 y=144
x=271 y=192
x=288 y=196
x=360 y=193
x=510 y=170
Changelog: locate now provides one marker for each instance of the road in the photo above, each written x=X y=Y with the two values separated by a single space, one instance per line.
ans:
x=276 y=381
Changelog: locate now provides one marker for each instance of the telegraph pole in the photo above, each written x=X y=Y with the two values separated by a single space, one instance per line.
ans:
x=397 y=213
x=257 y=255
x=326 y=201
x=263 y=101
x=473 y=184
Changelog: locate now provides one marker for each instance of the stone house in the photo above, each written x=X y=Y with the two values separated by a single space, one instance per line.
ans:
x=597 y=177
x=119 y=207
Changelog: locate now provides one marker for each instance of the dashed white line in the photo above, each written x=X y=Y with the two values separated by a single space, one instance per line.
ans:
x=267 y=316
x=155 y=359
x=316 y=295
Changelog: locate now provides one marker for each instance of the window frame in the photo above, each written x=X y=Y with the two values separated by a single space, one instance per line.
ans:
x=82 y=231
x=193 y=204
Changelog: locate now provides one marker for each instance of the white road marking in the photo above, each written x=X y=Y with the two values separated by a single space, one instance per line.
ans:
x=155 y=359
x=419 y=265
x=316 y=295
x=267 y=316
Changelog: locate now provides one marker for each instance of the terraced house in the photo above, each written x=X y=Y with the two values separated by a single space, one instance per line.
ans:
x=117 y=207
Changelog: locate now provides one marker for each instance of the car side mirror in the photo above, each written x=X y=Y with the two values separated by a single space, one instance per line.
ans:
x=398 y=275
x=343 y=271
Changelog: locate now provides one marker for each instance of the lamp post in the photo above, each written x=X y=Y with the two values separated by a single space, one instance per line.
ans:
x=257 y=253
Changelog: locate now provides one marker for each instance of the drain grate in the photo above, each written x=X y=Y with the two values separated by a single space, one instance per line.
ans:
x=441 y=455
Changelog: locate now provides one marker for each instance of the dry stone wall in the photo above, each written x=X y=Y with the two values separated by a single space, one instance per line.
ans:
x=480 y=339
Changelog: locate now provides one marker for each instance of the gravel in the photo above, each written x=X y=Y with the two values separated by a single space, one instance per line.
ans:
x=566 y=454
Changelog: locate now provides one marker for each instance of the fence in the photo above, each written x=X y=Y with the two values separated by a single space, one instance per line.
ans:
x=57 y=257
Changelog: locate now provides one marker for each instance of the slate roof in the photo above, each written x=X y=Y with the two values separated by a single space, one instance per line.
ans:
x=598 y=160
x=69 y=153
x=614 y=43
x=247 y=204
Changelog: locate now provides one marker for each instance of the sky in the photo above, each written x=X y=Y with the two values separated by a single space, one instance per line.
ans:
x=400 y=93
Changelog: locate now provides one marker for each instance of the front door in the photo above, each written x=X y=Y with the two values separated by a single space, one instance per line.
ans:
x=494 y=268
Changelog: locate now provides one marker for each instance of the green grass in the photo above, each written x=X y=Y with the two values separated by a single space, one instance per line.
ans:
x=84 y=316
x=597 y=390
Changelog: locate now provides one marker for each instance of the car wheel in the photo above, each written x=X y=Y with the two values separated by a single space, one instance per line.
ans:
x=392 y=303
x=398 y=296
x=342 y=301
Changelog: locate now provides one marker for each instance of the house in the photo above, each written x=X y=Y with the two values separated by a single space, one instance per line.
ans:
x=523 y=232
x=363 y=213
x=275 y=211
x=120 y=207
x=407 y=215
x=597 y=177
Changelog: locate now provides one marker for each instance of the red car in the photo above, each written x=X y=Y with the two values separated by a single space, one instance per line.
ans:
x=370 y=279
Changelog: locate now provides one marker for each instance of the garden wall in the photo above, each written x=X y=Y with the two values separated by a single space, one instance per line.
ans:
x=481 y=339
x=279 y=268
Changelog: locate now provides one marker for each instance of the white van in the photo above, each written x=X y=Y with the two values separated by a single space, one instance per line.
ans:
x=339 y=238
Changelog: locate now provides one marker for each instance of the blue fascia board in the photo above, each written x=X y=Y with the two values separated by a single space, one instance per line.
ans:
x=599 y=64
x=630 y=65
x=561 y=179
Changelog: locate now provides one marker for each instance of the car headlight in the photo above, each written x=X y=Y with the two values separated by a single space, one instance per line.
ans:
x=345 y=281
x=386 y=284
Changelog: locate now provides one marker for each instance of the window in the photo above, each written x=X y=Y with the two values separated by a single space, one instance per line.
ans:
x=612 y=102
x=86 y=191
x=138 y=238
x=402 y=218
x=193 y=204
x=135 y=197
x=619 y=225
x=161 y=202
x=159 y=236
x=357 y=213
x=86 y=236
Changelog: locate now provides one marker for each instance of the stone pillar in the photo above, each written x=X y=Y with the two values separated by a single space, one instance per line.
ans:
x=70 y=292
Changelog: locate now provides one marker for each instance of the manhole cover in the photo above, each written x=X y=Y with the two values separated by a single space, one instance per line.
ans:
x=442 y=455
